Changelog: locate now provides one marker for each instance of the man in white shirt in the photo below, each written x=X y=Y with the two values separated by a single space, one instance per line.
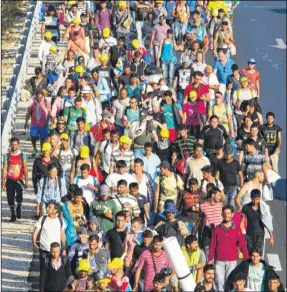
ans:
x=106 y=149
x=87 y=183
x=51 y=229
x=210 y=79
x=121 y=174
x=92 y=105
x=44 y=49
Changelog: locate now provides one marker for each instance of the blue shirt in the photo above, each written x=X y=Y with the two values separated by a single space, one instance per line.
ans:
x=223 y=70
x=151 y=164
x=169 y=116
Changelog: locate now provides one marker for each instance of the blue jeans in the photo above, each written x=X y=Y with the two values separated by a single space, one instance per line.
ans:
x=180 y=97
x=222 y=270
x=230 y=196
x=168 y=71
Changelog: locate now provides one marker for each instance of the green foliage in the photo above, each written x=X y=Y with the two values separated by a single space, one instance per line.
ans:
x=9 y=12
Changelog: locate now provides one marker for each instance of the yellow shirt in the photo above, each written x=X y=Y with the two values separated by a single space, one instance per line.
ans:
x=213 y=7
x=76 y=212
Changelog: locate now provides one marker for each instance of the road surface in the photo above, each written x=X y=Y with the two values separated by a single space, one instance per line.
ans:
x=257 y=25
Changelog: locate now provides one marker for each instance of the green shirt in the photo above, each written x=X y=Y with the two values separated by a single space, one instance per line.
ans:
x=180 y=145
x=72 y=113
x=97 y=209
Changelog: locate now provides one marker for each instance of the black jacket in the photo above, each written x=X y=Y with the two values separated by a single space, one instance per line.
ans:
x=138 y=69
x=40 y=170
x=243 y=268
x=56 y=280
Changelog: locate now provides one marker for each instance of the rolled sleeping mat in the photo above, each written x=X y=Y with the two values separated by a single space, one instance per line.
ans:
x=179 y=264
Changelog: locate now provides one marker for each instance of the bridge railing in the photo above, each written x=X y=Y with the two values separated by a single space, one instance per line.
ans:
x=20 y=68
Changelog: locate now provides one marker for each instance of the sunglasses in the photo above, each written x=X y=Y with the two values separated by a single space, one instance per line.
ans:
x=61 y=123
x=170 y=212
x=133 y=102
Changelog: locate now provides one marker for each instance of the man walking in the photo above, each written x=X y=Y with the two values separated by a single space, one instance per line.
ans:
x=226 y=239
x=13 y=172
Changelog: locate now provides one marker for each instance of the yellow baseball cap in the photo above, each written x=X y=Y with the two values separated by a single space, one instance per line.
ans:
x=64 y=136
x=79 y=69
x=84 y=265
x=123 y=4
x=46 y=147
x=76 y=20
x=135 y=44
x=106 y=32
x=164 y=133
x=84 y=151
x=243 y=79
x=48 y=35
x=53 y=49
x=125 y=140
x=193 y=94
x=104 y=57
x=116 y=263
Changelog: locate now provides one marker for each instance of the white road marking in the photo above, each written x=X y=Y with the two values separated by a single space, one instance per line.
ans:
x=280 y=44
x=274 y=261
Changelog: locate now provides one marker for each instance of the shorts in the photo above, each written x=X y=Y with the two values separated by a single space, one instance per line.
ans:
x=35 y=132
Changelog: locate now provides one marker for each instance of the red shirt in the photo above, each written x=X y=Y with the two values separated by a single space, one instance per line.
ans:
x=201 y=90
x=97 y=130
x=252 y=77
x=15 y=166
x=225 y=243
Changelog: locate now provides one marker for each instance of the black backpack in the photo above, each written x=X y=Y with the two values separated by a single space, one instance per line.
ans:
x=172 y=229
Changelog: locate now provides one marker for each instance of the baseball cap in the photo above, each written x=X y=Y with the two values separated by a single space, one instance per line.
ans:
x=243 y=79
x=84 y=151
x=208 y=69
x=160 y=278
x=251 y=60
x=207 y=168
x=94 y=220
x=64 y=136
x=228 y=149
x=82 y=230
x=125 y=140
x=86 y=89
x=107 y=114
x=46 y=147
x=193 y=94
x=105 y=190
x=164 y=164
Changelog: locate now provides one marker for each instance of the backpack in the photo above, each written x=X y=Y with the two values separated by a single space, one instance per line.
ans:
x=43 y=221
x=141 y=13
x=172 y=229
x=215 y=182
x=45 y=182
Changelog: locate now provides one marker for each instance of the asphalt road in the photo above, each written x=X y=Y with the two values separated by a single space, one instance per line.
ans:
x=257 y=24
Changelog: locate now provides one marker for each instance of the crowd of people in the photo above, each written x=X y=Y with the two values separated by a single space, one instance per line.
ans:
x=141 y=141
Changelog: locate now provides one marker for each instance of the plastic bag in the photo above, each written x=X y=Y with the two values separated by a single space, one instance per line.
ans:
x=267 y=193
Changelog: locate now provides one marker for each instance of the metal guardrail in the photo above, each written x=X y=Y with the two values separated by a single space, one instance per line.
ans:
x=20 y=68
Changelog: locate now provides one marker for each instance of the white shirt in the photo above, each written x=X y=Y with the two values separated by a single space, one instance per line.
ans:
x=107 y=43
x=107 y=153
x=112 y=180
x=51 y=232
x=211 y=80
x=142 y=185
x=199 y=67
x=93 y=110
x=88 y=194
x=44 y=49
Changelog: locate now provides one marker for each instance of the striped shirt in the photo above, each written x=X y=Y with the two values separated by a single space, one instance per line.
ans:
x=145 y=262
x=128 y=156
x=251 y=163
x=180 y=145
x=211 y=213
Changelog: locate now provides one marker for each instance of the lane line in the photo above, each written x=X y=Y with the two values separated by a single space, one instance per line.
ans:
x=274 y=261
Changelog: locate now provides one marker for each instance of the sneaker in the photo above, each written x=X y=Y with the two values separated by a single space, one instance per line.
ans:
x=34 y=152
x=13 y=218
